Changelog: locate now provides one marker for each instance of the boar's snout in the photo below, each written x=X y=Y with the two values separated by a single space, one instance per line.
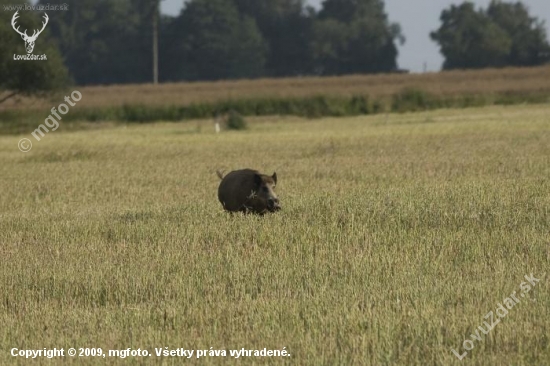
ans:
x=273 y=204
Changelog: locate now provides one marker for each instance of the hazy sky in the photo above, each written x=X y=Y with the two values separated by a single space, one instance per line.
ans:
x=417 y=18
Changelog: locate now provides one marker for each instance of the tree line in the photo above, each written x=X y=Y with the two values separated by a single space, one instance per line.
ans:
x=111 y=41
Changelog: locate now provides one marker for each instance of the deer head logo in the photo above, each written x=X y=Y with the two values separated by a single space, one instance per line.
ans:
x=29 y=40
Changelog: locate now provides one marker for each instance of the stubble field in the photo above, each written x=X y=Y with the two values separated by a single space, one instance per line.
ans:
x=398 y=234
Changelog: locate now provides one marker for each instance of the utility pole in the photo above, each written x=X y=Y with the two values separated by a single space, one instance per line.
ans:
x=155 y=14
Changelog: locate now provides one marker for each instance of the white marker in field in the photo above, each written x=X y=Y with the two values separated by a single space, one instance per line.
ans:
x=217 y=126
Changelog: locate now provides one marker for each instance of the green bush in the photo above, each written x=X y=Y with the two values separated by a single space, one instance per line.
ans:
x=235 y=121
x=411 y=100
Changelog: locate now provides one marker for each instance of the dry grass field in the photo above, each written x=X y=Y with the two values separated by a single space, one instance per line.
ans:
x=398 y=234
x=488 y=81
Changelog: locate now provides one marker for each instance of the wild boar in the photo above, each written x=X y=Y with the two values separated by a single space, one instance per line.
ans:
x=248 y=191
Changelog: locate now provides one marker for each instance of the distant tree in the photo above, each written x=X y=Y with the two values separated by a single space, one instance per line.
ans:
x=210 y=40
x=349 y=10
x=103 y=41
x=18 y=77
x=330 y=43
x=528 y=34
x=148 y=34
x=354 y=36
x=504 y=35
x=468 y=39
x=286 y=26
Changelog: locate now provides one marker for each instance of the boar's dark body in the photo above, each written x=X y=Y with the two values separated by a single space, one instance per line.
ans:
x=248 y=191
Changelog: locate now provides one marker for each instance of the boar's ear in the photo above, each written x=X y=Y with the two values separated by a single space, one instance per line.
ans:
x=258 y=179
x=274 y=176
